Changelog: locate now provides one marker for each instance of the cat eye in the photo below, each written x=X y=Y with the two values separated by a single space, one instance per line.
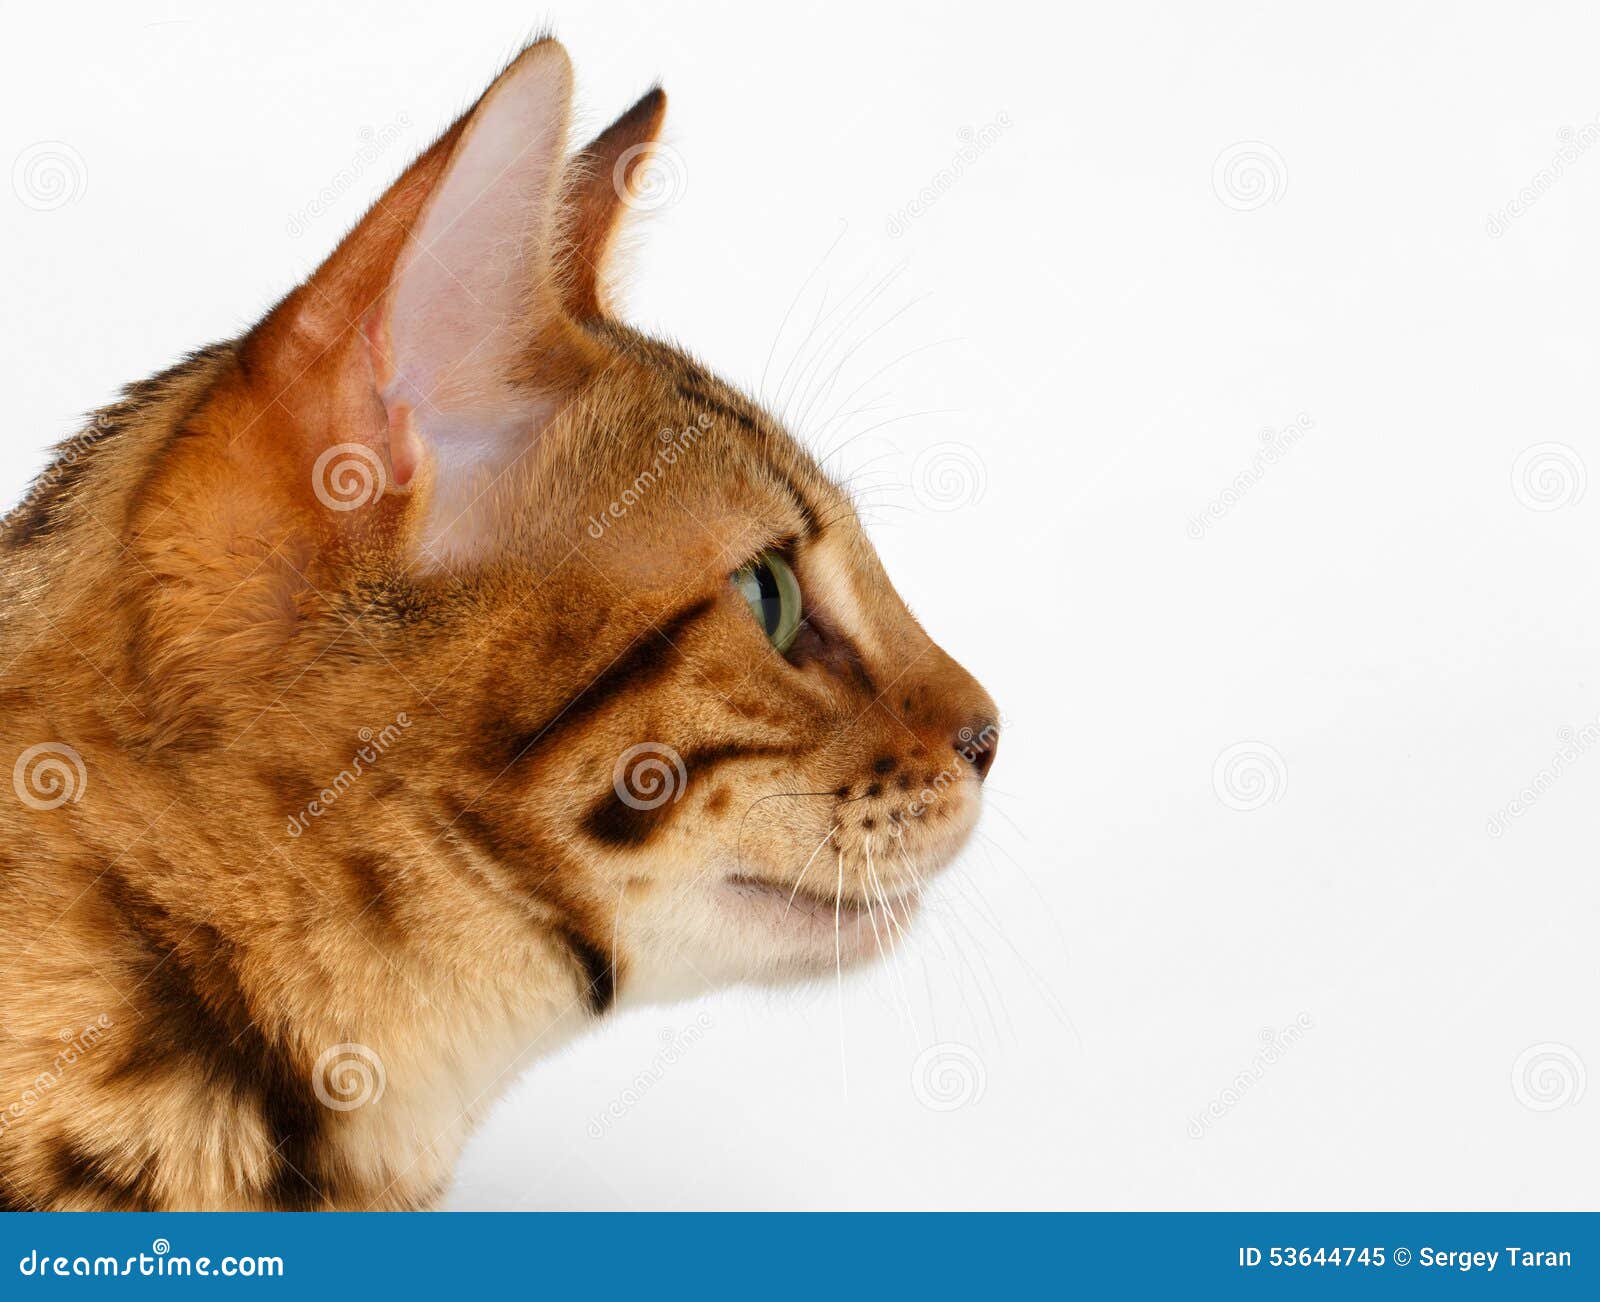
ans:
x=770 y=588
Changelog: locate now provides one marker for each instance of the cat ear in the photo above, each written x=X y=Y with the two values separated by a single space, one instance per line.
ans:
x=432 y=344
x=602 y=185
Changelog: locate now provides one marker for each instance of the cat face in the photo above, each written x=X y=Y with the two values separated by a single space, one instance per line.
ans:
x=662 y=693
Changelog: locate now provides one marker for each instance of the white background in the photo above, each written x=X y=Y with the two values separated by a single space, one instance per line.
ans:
x=1101 y=315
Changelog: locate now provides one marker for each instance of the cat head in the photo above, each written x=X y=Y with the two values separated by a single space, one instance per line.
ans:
x=659 y=692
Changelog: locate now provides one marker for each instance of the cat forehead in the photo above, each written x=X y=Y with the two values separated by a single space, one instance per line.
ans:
x=670 y=414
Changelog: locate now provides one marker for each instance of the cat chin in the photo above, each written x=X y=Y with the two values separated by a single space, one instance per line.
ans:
x=741 y=931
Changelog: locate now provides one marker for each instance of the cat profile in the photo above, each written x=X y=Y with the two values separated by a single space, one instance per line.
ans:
x=393 y=689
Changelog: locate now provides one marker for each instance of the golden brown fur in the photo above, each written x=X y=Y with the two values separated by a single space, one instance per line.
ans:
x=349 y=802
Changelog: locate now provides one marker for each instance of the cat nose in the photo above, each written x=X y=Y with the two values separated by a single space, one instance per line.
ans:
x=976 y=742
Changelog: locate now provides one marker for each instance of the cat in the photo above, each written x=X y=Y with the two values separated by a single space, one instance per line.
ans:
x=393 y=688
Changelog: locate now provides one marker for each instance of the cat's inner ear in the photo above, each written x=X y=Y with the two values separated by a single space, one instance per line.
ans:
x=603 y=180
x=434 y=337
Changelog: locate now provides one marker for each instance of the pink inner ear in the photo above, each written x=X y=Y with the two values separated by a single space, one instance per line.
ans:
x=465 y=298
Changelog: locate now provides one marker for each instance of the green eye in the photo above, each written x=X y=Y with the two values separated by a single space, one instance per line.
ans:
x=772 y=590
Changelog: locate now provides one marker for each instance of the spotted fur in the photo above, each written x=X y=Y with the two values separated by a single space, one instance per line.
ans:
x=323 y=824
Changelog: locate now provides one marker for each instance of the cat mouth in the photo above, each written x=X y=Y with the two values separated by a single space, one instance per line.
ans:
x=803 y=904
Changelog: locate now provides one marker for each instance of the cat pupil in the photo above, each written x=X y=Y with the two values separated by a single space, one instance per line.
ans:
x=771 y=601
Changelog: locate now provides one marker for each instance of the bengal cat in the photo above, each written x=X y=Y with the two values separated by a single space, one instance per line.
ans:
x=393 y=688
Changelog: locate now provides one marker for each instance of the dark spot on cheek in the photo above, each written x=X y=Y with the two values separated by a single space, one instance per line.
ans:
x=842 y=793
x=613 y=823
x=867 y=824
x=883 y=764
x=876 y=789
x=718 y=801
x=903 y=782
